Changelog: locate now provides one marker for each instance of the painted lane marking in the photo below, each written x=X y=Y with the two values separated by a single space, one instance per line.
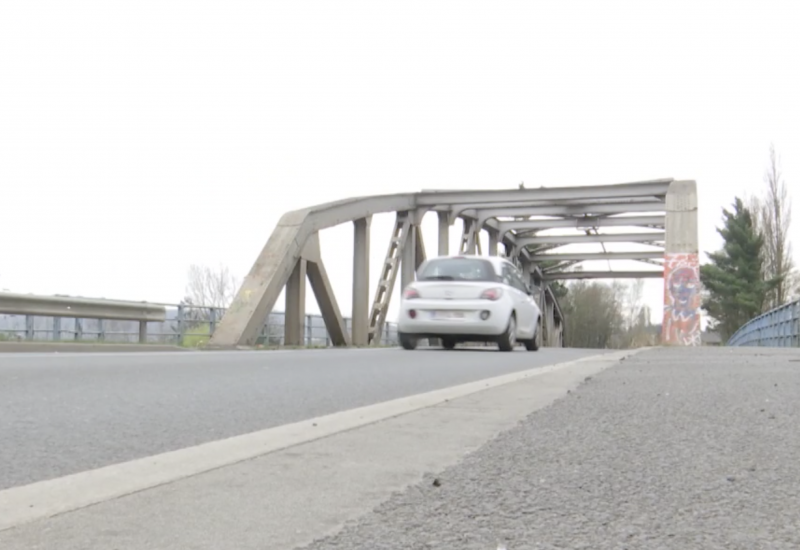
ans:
x=19 y=505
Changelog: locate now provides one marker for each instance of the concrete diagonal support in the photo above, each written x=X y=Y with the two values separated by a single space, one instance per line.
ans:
x=244 y=320
x=360 y=322
x=473 y=236
x=527 y=272
x=323 y=292
x=419 y=251
x=444 y=234
x=294 y=321
x=408 y=262
x=310 y=265
x=543 y=320
x=551 y=325
x=391 y=266
x=494 y=239
x=463 y=247
x=413 y=255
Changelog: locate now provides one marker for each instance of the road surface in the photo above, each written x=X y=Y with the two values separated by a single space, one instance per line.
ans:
x=663 y=449
x=66 y=413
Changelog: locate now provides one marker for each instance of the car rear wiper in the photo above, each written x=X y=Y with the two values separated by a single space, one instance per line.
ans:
x=440 y=278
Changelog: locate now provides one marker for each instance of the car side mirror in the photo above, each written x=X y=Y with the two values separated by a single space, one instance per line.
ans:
x=529 y=290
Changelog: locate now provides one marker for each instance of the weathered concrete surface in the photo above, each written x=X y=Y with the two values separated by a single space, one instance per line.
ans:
x=673 y=449
x=65 y=413
x=291 y=496
x=682 y=311
x=677 y=449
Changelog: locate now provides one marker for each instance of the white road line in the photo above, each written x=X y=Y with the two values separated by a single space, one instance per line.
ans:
x=43 y=499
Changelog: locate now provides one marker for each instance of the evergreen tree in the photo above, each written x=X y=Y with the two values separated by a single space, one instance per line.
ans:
x=735 y=290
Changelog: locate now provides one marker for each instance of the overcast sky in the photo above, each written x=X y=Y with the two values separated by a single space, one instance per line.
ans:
x=137 y=138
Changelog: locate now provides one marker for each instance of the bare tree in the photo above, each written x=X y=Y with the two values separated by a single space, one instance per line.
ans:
x=794 y=285
x=594 y=314
x=773 y=219
x=210 y=287
x=633 y=301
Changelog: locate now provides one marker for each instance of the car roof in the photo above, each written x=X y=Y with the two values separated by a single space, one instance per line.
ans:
x=496 y=260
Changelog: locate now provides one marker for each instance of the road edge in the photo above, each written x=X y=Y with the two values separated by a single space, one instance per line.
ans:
x=27 y=503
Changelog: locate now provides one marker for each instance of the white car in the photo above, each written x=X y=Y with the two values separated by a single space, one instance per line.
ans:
x=469 y=299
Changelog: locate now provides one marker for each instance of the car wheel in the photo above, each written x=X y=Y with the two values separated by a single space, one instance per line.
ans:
x=508 y=340
x=534 y=343
x=407 y=342
x=448 y=343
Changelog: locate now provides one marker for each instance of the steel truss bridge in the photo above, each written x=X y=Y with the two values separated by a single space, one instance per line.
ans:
x=659 y=213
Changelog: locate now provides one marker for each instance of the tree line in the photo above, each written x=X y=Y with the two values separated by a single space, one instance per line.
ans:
x=601 y=315
x=753 y=272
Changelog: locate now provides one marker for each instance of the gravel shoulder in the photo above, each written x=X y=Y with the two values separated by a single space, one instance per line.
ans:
x=675 y=448
x=672 y=449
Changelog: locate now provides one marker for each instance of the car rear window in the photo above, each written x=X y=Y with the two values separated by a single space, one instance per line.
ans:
x=457 y=269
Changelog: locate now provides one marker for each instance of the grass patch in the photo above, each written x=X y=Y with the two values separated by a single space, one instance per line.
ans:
x=198 y=336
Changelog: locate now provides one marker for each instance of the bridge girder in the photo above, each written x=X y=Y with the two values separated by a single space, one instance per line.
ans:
x=292 y=251
x=561 y=240
x=573 y=275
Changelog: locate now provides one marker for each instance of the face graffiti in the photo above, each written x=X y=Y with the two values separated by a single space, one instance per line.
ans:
x=681 y=300
x=683 y=291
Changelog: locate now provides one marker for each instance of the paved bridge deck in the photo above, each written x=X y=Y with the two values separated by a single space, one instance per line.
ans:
x=671 y=448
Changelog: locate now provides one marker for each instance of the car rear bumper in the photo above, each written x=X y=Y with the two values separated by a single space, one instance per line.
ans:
x=429 y=323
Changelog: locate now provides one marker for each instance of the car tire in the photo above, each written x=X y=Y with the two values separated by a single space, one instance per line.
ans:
x=533 y=344
x=448 y=343
x=508 y=340
x=407 y=341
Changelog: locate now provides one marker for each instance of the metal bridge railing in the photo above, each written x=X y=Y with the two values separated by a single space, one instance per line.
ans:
x=67 y=319
x=778 y=328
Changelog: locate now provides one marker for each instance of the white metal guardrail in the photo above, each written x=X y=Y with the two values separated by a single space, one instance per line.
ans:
x=778 y=328
x=59 y=307
x=62 y=318
x=68 y=306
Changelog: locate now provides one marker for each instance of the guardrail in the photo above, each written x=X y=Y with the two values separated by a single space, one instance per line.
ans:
x=778 y=328
x=59 y=307
x=64 y=318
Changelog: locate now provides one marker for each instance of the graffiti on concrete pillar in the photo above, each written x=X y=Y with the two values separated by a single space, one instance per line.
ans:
x=681 y=300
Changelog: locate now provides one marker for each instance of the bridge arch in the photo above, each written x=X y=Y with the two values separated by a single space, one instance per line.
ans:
x=660 y=213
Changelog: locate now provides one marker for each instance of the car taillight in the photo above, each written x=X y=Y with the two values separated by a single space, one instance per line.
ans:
x=492 y=294
x=410 y=294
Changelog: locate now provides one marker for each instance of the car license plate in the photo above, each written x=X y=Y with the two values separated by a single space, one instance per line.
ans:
x=448 y=315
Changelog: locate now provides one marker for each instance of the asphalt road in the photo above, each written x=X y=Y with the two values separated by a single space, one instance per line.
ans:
x=66 y=413
x=674 y=449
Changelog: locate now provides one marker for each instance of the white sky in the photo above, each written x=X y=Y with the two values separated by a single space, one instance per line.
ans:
x=138 y=138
